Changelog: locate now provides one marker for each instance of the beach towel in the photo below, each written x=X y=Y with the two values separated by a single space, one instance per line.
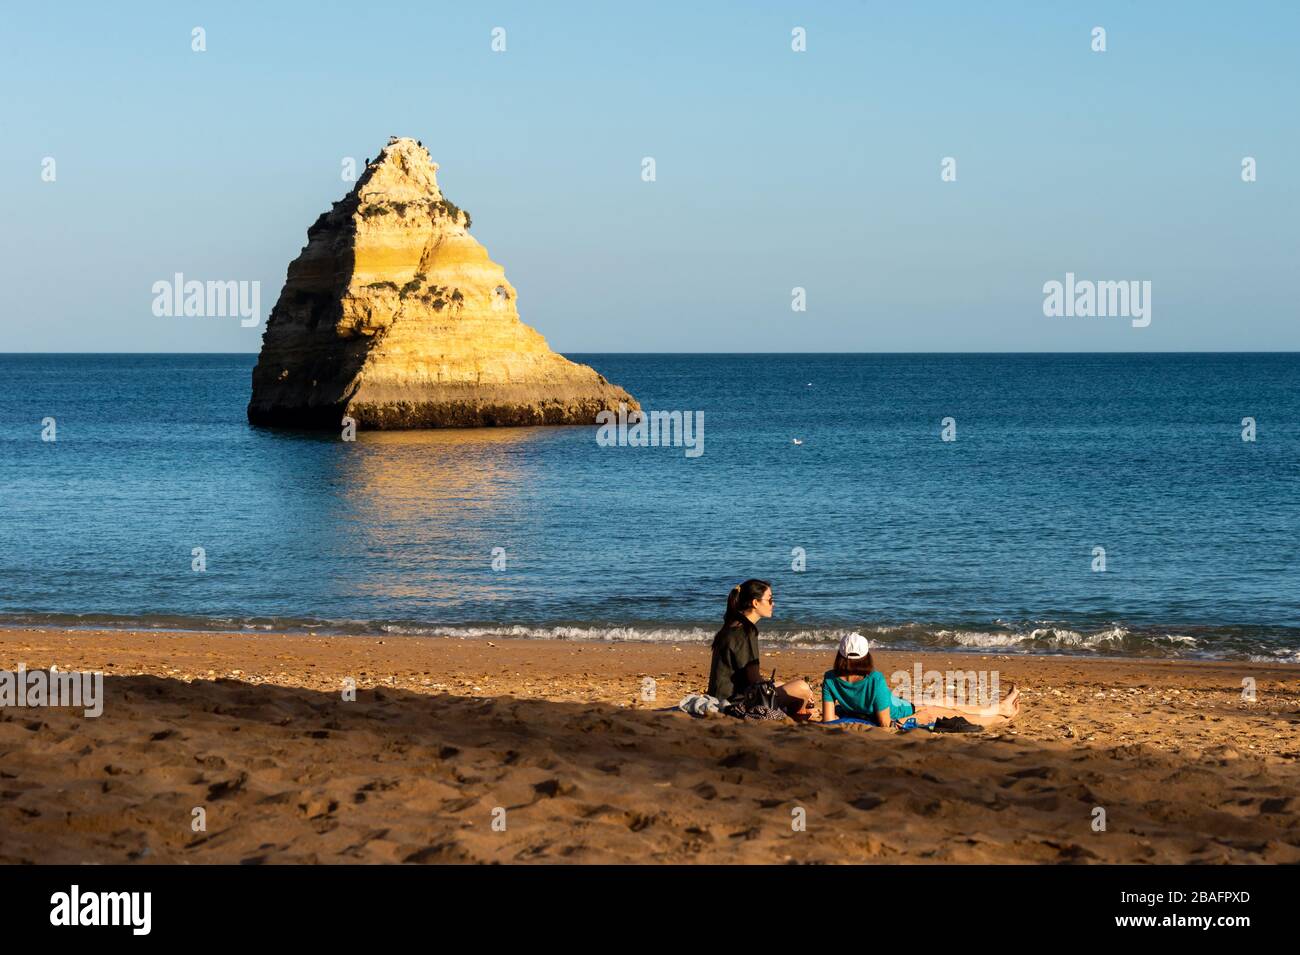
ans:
x=903 y=726
x=909 y=724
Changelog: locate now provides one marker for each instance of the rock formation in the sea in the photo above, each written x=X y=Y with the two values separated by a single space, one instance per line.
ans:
x=394 y=315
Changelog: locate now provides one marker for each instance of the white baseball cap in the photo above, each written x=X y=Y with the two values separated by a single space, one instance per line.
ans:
x=854 y=646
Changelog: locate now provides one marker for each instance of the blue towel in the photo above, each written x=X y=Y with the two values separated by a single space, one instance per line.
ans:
x=903 y=726
x=909 y=724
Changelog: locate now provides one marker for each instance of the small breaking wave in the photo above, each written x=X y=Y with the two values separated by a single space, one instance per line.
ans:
x=1255 y=644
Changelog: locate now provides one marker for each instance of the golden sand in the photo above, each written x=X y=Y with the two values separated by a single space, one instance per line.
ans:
x=512 y=751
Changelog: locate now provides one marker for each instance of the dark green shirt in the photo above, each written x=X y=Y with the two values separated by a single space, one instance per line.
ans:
x=737 y=650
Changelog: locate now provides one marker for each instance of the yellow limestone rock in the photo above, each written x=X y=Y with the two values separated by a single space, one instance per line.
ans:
x=394 y=315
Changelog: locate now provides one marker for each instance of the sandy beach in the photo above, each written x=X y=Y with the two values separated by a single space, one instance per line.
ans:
x=474 y=751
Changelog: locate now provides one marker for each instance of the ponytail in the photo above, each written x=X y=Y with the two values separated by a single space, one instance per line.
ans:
x=742 y=597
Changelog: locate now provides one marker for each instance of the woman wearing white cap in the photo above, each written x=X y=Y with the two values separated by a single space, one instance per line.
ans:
x=855 y=689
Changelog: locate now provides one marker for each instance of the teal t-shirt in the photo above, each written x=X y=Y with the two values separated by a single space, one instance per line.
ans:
x=864 y=698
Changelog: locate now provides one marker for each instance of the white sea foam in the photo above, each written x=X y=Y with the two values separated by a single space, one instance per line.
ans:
x=1276 y=656
x=1002 y=636
x=979 y=638
x=593 y=634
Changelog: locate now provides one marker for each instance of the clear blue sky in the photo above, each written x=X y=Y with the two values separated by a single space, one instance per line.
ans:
x=775 y=169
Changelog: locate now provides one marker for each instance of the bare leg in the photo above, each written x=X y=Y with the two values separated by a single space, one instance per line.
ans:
x=976 y=714
x=995 y=714
x=798 y=687
x=796 y=698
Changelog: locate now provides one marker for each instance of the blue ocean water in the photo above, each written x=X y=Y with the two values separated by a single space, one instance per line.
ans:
x=986 y=541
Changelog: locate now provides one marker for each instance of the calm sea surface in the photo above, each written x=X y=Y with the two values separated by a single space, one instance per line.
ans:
x=982 y=542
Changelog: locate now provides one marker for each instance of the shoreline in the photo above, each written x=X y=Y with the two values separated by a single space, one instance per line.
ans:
x=772 y=638
x=1058 y=683
x=443 y=731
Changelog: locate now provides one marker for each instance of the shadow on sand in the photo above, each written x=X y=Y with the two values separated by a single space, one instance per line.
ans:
x=293 y=775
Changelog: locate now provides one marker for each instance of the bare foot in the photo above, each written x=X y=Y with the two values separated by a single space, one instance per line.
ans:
x=1010 y=705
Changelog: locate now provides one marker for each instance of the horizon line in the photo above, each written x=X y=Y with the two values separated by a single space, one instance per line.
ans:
x=1205 y=351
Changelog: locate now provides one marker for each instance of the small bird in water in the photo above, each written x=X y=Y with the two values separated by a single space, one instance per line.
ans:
x=797 y=441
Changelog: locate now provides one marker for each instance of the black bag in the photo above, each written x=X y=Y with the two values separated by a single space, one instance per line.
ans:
x=758 y=702
x=761 y=694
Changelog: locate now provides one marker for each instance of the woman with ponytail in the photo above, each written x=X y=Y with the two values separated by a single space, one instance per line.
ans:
x=736 y=666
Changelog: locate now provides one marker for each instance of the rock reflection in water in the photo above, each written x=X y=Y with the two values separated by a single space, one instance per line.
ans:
x=424 y=510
